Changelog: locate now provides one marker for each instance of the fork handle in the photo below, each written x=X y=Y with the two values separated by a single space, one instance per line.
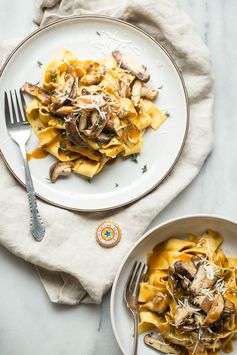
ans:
x=135 y=340
x=37 y=227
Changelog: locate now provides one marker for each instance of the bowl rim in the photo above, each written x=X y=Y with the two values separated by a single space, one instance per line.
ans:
x=140 y=240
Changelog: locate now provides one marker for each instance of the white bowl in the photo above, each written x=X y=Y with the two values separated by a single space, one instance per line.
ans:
x=120 y=316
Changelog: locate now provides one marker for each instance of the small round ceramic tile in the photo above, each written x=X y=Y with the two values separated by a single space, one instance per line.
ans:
x=108 y=234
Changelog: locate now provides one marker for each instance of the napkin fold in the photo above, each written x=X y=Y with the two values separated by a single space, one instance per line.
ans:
x=72 y=266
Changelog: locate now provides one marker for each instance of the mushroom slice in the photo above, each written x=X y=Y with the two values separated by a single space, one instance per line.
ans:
x=139 y=71
x=173 y=278
x=73 y=133
x=63 y=92
x=161 y=346
x=203 y=302
x=184 y=312
x=91 y=79
x=82 y=122
x=98 y=125
x=59 y=169
x=148 y=93
x=110 y=125
x=33 y=90
x=136 y=92
x=201 y=281
x=103 y=138
x=215 y=311
x=186 y=269
x=85 y=91
x=65 y=110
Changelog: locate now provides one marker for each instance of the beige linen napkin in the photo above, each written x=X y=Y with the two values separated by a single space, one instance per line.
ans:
x=72 y=266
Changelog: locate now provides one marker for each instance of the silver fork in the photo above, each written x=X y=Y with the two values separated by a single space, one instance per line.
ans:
x=131 y=296
x=19 y=130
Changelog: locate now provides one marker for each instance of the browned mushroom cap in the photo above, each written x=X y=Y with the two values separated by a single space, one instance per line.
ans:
x=201 y=281
x=149 y=93
x=161 y=345
x=215 y=311
x=140 y=72
x=33 y=90
x=204 y=302
x=99 y=121
x=73 y=133
x=64 y=92
x=65 y=110
x=110 y=125
x=59 y=169
x=187 y=269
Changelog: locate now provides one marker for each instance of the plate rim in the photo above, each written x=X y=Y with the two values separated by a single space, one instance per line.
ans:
x=187 y=103
x=140 y=240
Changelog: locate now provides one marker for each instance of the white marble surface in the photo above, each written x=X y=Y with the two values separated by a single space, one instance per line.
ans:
x=29 y=324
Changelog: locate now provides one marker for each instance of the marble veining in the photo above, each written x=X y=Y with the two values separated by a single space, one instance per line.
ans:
x=29 y=324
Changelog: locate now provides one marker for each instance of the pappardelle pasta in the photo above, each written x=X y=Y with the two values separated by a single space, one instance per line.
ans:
x=189 y=296
x=87 y=113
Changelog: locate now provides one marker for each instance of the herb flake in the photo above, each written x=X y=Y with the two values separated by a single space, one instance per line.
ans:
x=167 y=114
x=116 y=185
x=53 y=77
x=98 y=33
x=144 y=169
x=134 y=157
x=39 y=63
x=160 y=87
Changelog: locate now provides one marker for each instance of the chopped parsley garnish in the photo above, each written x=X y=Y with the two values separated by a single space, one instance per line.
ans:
x=63 y=147
x=88 y=180
x=144 y=169
x=167 y=114
x=37 y=83
x=59 y=122
x=53 y=77
x=39 y=63
x=160 y=87
x=39 y=128
x=116 y=185
x=134 y=157
x=98 y=33
x=100 y=144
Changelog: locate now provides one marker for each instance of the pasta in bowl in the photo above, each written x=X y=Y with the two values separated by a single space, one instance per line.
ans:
x=87 y=113
x=189 y=296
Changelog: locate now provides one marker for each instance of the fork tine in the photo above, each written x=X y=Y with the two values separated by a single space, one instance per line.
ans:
x=23 y=103
x=13 y=109
x=18 y=108
x=135 y=275
x=128 y=283
x=7 y=110
x=138 y=280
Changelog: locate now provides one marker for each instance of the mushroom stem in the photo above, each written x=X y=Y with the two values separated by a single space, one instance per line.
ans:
x=59 y=169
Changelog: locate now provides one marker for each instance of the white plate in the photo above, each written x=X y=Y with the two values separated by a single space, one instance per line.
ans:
x=120 y=316
x=92 y=37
